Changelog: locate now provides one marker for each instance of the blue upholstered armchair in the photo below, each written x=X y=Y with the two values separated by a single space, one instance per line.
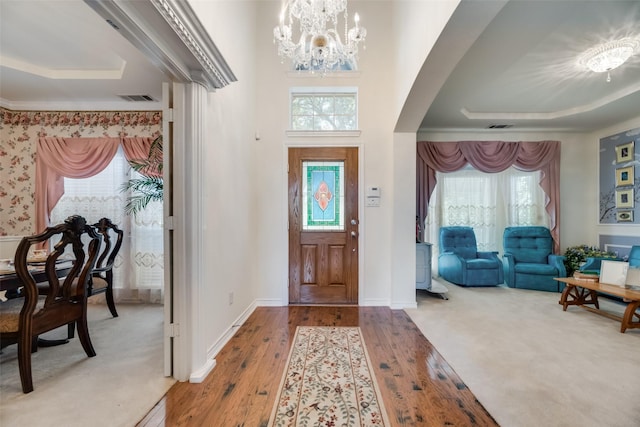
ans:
x=529 y=262
x=460 y=262
x=634 y=256
x=593 y=263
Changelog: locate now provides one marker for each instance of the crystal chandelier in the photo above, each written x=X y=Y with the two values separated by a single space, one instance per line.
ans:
x=610 y=55
x=318 y=46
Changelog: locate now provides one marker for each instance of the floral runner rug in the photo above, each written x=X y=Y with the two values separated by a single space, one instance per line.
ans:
x=328 y=381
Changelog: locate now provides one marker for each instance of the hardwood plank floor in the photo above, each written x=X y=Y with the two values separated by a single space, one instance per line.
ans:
x=418 y=386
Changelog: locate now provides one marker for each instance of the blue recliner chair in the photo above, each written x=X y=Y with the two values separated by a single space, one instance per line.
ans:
x=634 y=256
x=592 y=264
x=529 y=262
x=460 y=262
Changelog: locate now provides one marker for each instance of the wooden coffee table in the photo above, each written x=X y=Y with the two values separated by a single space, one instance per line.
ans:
x=585 y=292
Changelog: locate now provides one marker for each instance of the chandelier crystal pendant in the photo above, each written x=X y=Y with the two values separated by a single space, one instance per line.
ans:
x=319 y=46
x=608 y=56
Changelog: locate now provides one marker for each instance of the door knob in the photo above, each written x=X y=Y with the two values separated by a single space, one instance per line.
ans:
x=354 y=221
x=354 y=234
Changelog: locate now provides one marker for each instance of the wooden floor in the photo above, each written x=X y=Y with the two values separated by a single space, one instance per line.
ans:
x=418 y=386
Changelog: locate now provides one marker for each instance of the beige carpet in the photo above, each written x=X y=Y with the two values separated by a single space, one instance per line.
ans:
x=531 y=364
x=116 y=388
x=328 y=381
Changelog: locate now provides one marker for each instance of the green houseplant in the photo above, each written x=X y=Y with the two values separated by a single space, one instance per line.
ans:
x=576 y=255
x=149 y=187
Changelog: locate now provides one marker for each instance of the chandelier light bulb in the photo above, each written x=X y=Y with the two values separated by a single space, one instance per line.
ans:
x=319 y=41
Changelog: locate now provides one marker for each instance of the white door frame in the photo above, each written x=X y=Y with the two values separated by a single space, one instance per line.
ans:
x=184 y=51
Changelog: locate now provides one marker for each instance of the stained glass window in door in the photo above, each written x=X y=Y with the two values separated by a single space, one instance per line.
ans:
x=323 y=195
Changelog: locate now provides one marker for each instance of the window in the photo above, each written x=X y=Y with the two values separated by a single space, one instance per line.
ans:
x=324 y=109
x=139 y=266
x=488 y=202
x=323 y=196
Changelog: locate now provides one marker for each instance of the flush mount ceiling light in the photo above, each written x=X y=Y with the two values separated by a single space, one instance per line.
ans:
x=319 y=46
x=610 y=55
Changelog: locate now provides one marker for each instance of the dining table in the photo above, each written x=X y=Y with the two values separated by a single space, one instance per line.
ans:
x=9 y=280
x=11 y=284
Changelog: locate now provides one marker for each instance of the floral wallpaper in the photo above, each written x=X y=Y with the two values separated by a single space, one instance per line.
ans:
x=19 y=131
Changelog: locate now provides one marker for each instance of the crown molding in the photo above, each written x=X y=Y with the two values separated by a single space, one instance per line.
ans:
x=170 y=34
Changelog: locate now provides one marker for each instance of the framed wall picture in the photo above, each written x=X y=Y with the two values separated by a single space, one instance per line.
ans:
x=624 y=176
x=618 y=155
x=624 y=152
x=624 y=216
x=624 y=198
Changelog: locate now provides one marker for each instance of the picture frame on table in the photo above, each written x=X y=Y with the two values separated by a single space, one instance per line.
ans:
x=624 y=198
x=624 y=152
x=624 y=216
x=625 y=176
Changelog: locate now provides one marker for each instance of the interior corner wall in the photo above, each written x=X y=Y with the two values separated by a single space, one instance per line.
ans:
x=376 y=92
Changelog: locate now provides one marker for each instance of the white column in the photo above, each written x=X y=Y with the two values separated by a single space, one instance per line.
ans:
x=403 y=248
x=195 y=128
x=190 y=355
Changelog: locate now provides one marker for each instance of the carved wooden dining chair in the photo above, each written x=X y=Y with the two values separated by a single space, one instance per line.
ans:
x=101 y=278
x=23 y=319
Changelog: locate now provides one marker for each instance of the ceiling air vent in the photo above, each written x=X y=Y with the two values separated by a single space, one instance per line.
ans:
x=113 y=24
x=499 y=126
x=138 y=98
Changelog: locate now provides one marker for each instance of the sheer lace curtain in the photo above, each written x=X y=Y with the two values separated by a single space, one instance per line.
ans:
x=488 y=202
x=138 y=272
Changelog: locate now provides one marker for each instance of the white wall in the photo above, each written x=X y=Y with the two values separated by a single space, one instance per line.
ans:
x=230 y=215
x=375 y=145
x=245 y=182
x=245 y=250
x=416 y=27
x=256 y=225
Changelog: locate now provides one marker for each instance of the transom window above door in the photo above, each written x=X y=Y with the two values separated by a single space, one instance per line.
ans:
x=324 y=111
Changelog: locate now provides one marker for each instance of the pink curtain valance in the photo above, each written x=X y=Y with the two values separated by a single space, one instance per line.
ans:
x=57 y=158
x=137 y=148
x=491 y=157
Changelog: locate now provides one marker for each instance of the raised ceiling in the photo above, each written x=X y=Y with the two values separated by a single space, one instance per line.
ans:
x=521 y=72
x=63 y=53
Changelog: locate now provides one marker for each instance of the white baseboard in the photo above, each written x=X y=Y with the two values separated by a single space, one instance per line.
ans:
x=270 y=302
x=372 y=302
x=199 y=375
x=403 y=305
x=231 y=330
